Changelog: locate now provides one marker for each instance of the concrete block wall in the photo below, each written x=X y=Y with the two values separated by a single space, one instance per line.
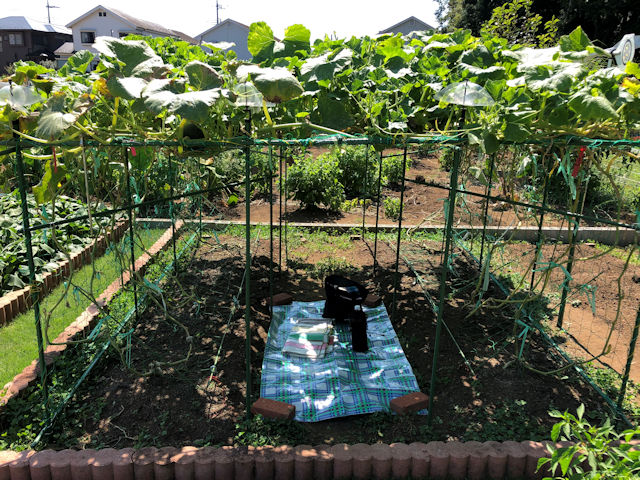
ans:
x=19 y=301
x=82 y=325
x=435 y=460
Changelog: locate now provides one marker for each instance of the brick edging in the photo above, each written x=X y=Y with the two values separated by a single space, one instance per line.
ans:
x=82 y=324
x=16 y=302
x=437 y=460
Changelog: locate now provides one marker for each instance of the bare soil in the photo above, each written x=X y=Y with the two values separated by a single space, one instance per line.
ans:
x=481 y=393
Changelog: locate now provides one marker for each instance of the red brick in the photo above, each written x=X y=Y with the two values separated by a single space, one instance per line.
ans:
x=284 y=463
x=400 y=461
x=183 y=462
x=81 y=464
x=60 y=465
x=323 y=463
x=102 y=466
x=143 y=463
x=478 y=459
x=273 y=409
x=5 y=311
x=381 y=461
x=204 y=463
x=19 y=466
x=264 y=463
x=162 y=464
x=304 y=456
x=243 y=467
x=342 y=461
x=439 y=460
x=458 y=460
x=409 y=403
x=516 y=459
x=362 y=454
x=39 y=465
x=223 y=462
x=372 y=300
x=497 y=462
x=6 y=457
x=281 y=299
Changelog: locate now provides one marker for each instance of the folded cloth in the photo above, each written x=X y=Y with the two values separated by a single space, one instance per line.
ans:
x=310 y=338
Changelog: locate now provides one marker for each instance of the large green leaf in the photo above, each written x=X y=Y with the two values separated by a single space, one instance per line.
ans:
x=19 y=97
x=331 y=112
x=325 y=66
x=277 y=84
x=78 y=62
x=136 y=57
x=46 y=190
x=55 y=119
x=202 y=76
x=296 y=37
x=260 y=41
x=591 y=107
x=576 y=41
x=129 y=88
x=190 y=105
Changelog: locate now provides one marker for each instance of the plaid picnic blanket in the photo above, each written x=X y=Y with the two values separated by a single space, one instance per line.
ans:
x=343 y=382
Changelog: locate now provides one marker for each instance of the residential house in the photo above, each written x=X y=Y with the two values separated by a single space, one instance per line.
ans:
x=106 y=21
x=22 y=38
x=408 y=25
x=229 y=31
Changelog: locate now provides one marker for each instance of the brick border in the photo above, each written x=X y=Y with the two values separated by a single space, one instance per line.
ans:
x=16 y=302
x=437 y=460
x=82 y=325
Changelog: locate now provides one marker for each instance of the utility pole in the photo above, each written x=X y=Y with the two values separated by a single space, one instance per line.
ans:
x=49 y=7
x=218 y=8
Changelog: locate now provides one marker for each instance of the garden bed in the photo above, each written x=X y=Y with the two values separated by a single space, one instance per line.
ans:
x=185 y=405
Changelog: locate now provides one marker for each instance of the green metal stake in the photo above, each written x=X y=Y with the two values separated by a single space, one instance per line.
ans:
x=539 y=241
x=396 y=276
x=35 y=297
x=364 y=190
x=375 y=240
x=131 y=241
x=486 y=208
x=247 y=267
x=172 y=179
x=270 y=229
x=281 y=185
x=443 y=277
x=627 y=368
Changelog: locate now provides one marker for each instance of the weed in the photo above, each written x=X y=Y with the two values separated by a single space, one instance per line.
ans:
x=259 y=431
x=392 y=207
x=332 y=265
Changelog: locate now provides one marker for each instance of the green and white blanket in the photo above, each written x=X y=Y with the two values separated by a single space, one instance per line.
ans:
x=343 y=382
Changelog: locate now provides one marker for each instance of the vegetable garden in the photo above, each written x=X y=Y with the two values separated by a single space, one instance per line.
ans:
x=497 y=328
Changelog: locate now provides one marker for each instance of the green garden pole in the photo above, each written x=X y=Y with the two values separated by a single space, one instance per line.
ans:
x=395 y=278
x=364 y=192
x=539 y=240
x=131 y=240
x=627 y=368
x=247 y=266
x=443 y=277
x=281 y=185
x=270 y=229
x=486 y=208
x=171 y=215
x=35 y=297
x=375 y=240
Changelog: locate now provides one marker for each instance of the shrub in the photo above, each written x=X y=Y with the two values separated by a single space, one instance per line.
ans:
x=359 y=170
x=316 y=181
x=261 y=170
x=392 y=169
x=392 y=207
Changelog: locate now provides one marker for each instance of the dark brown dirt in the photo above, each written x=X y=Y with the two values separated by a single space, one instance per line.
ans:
x=488 y=396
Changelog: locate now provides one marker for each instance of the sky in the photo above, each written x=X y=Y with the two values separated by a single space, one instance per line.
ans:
x=342 y=17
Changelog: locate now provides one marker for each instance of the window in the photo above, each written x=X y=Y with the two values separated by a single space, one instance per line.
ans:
x=123 y=34
x=87 y=37
x=16 y=39
x=102 y=14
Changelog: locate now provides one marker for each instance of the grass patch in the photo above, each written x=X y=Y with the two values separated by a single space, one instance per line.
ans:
x=18 y=344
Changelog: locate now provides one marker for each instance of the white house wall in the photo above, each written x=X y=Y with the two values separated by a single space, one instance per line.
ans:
x=109 y=26
x=230 y=32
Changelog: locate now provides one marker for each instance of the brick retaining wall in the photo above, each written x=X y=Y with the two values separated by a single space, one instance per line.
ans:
x=437 y=460
x=16 y=302
x=82 y=325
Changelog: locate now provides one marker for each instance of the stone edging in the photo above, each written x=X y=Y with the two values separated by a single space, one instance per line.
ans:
x=83 y=324
x=16 y=302
x=437 y=460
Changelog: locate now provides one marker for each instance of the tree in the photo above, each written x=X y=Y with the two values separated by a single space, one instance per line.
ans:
x=519 y=25
x=605 y=21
